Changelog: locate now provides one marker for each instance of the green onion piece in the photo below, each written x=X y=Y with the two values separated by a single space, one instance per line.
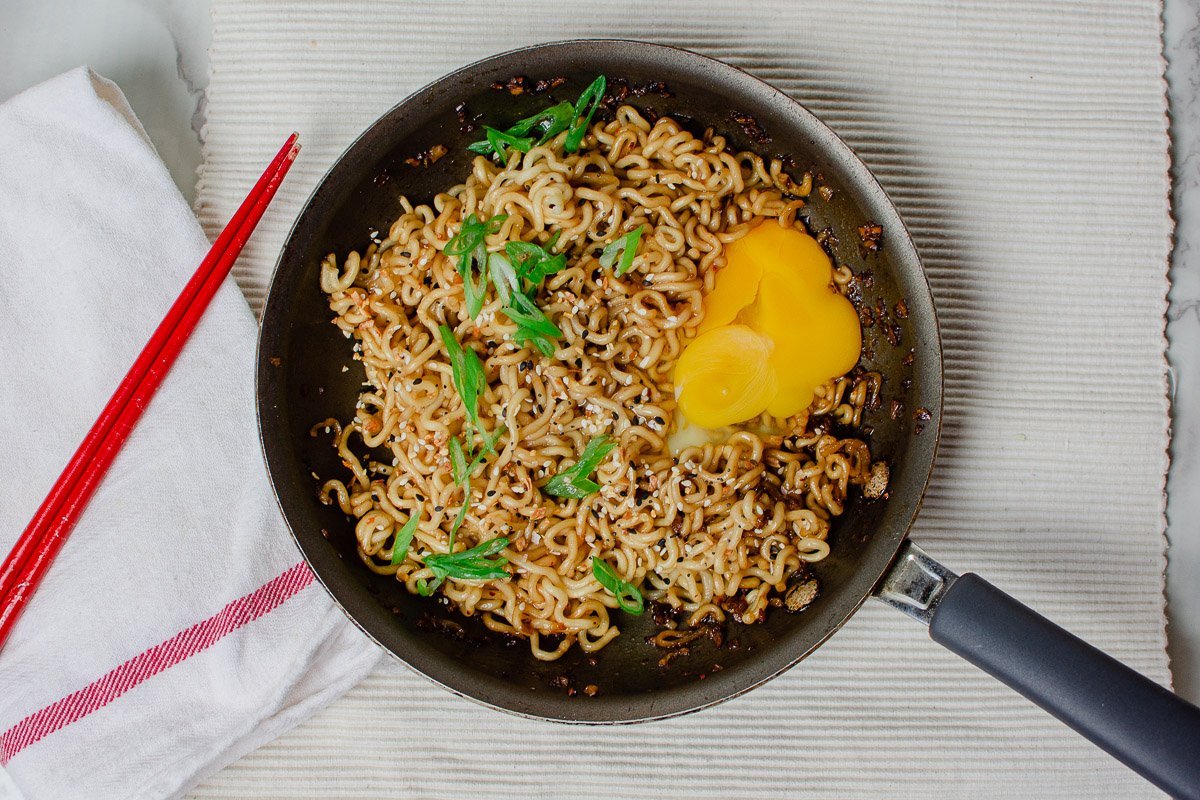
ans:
x=574 y=481
x=572 y=118
x=462 y=514
x=469 y=245
x=626 y=247
x=468 y=236
x=533 y=262
x=489 y=445
x=404 y=538
x=547 y=124
x=473 y=293
x=461 y=471
x=532 y=325
x=628 y=596
x=504 y=277
x=501 y=142
x=467 y=371
x=590 y=99
x=458 y=460
x=480 y=563
x=472 y=233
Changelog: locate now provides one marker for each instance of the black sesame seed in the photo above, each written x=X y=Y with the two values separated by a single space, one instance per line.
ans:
x=660 y=420
x=491 y=493
x=437 y=508
x=526 y=366
x=418 y=381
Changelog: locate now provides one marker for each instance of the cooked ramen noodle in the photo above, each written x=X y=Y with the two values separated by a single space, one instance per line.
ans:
x=721 y=525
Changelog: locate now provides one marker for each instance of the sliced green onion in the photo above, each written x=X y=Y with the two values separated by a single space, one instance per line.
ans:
x=501 y=142
x=590 y=99
x=549 y=123
x=468 y=374
x=462 y=514
x=546 y=124
x=470 y=247
x=404 y=538
x=532 y=325
x=534 y=262
x=625 y=247
x=458 y=460
x=628 y=596
x=480 y=563
x=489 y=445
x=504 y=277
x=461 y=471
x=574 y=481
x=574 y=118
x=472 y=234
x=473 y=293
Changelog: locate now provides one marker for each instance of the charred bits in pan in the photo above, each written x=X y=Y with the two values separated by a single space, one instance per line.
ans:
x=427 y=157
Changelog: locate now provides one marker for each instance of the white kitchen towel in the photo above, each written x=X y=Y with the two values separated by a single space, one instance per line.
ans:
x=1025 y=144
x=179 y=627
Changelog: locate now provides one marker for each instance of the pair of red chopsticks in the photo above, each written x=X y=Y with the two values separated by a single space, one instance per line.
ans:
x=33 y=553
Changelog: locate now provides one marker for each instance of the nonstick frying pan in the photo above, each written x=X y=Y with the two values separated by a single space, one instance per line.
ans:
x=300 y=382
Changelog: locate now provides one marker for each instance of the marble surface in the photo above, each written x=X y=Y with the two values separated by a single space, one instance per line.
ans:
x=156 y=50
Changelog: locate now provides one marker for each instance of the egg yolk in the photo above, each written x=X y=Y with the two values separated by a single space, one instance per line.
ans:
x=774 y=331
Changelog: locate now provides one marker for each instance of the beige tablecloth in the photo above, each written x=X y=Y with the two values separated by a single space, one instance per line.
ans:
x=1025 y=143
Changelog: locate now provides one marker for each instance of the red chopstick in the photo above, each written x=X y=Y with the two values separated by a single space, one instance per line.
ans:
x=52 y=523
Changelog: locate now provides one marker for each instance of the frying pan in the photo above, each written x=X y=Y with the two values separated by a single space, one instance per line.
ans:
x=300 y=382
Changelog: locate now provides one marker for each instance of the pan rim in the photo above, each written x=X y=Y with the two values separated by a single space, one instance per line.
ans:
x=678 y=700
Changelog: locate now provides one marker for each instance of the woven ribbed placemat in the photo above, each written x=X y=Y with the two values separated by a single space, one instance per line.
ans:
x=1025 y=143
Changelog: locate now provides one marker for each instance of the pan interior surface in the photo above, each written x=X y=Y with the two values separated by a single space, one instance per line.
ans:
x=301 y=382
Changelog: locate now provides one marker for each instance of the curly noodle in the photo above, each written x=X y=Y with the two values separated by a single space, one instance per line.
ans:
x=713 y=529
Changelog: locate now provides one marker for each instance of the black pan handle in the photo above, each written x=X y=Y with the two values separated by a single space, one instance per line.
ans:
x=1147 y=727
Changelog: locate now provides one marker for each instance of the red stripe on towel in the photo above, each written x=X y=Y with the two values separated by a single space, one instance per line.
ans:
x=179 y=647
